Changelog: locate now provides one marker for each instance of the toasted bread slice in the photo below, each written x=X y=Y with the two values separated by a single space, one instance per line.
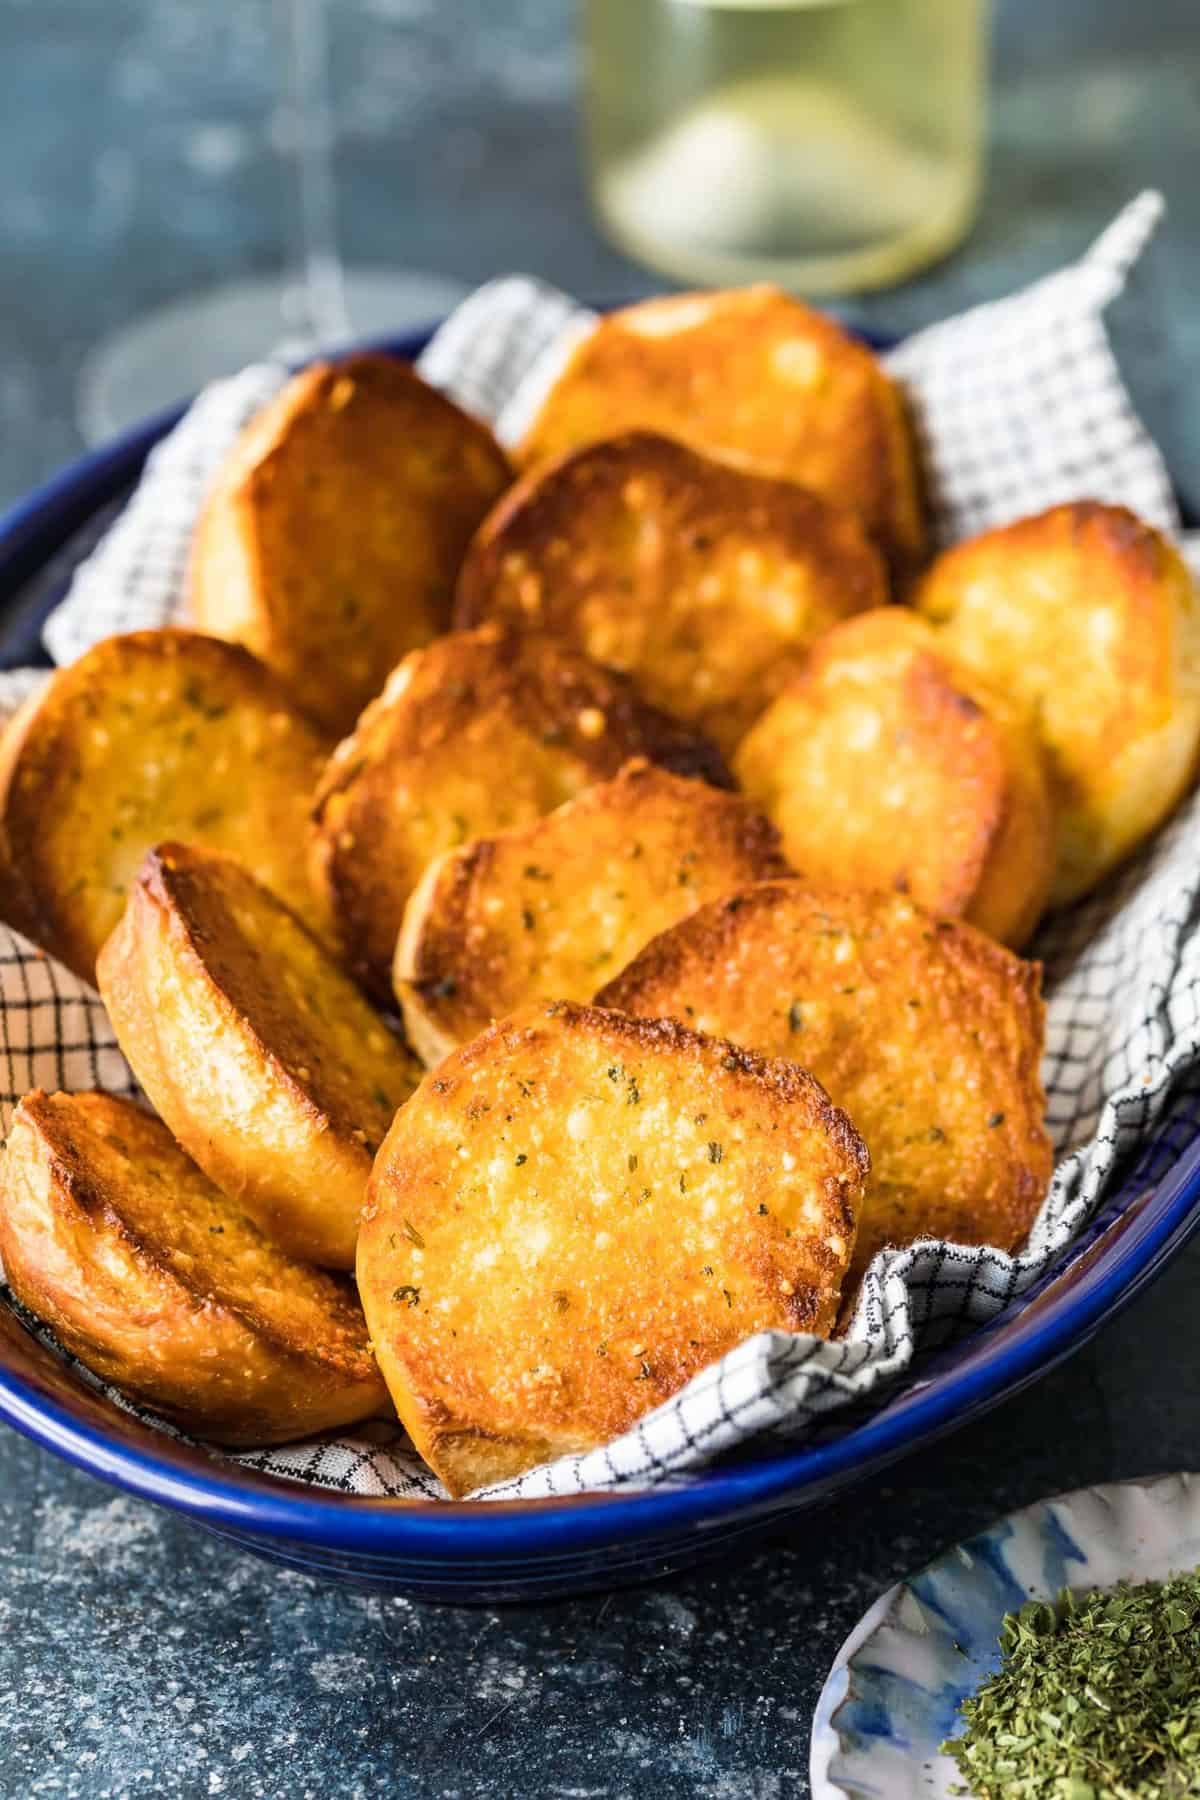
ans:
x=704 y=582
x=756 y=376
x=148 y=736
x=576 y=1213
x=886 y=764
x=160 y=1284
x=258 y=1051
x=331 y=538
x=480 y=731
x=923 y=1029
x=1091 y=620
x=542 y=912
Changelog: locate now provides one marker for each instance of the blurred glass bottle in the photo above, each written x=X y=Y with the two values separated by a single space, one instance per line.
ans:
x=823 y=144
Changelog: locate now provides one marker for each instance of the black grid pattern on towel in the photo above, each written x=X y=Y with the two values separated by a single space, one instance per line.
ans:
x=1018 y=404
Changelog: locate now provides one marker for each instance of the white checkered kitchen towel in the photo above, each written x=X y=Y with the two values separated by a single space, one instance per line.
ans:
x=1019 y=404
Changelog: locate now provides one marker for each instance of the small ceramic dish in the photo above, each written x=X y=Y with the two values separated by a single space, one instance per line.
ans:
x=894 y=1691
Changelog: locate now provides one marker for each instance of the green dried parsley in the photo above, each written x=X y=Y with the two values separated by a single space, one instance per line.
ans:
x=1097 y=1698
x=195 y=697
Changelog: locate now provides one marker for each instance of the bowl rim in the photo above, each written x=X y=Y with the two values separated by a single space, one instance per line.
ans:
x=1099 y=1279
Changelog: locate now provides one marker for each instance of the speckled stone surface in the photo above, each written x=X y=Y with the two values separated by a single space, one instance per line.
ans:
x=137 y=1656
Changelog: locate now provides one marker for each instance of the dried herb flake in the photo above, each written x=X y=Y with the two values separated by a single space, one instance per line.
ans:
x=1095 y=1697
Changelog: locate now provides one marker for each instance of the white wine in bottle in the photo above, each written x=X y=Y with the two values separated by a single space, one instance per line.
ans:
x=824 y=144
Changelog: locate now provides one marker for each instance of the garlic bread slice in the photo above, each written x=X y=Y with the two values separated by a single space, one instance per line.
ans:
x=254 y=1046
x=887 y=763
x=757 y=377
x=703 y=582
x=545 y=911
x=923 y=1029
x=1090 y=619
x=149 y=736
x=478 y=732
x=162 y=1285
x=331 y=539
x=579 y=1211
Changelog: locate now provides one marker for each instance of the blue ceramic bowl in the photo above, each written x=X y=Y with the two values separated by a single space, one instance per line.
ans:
x=483 y=1553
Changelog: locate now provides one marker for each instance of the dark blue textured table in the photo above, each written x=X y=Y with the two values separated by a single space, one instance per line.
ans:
x=138 y=1657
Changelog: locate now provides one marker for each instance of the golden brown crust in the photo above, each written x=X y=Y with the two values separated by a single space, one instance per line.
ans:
x=704 y=582
x=1090 y=619
x=543 y=911
x=577 y=1212
x=477 y=733
x=758 y=377
x=331 y=539
x=19 y=905
x=160 y=1284
x=887 y=764
x=923 y=1029
x=260 y=1054
x=146 y=736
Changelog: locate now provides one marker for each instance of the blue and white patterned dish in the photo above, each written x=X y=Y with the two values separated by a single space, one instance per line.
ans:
x=893 y=1693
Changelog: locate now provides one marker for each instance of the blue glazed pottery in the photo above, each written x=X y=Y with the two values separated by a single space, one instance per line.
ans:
x=481 y=1552
x=893 y=1694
